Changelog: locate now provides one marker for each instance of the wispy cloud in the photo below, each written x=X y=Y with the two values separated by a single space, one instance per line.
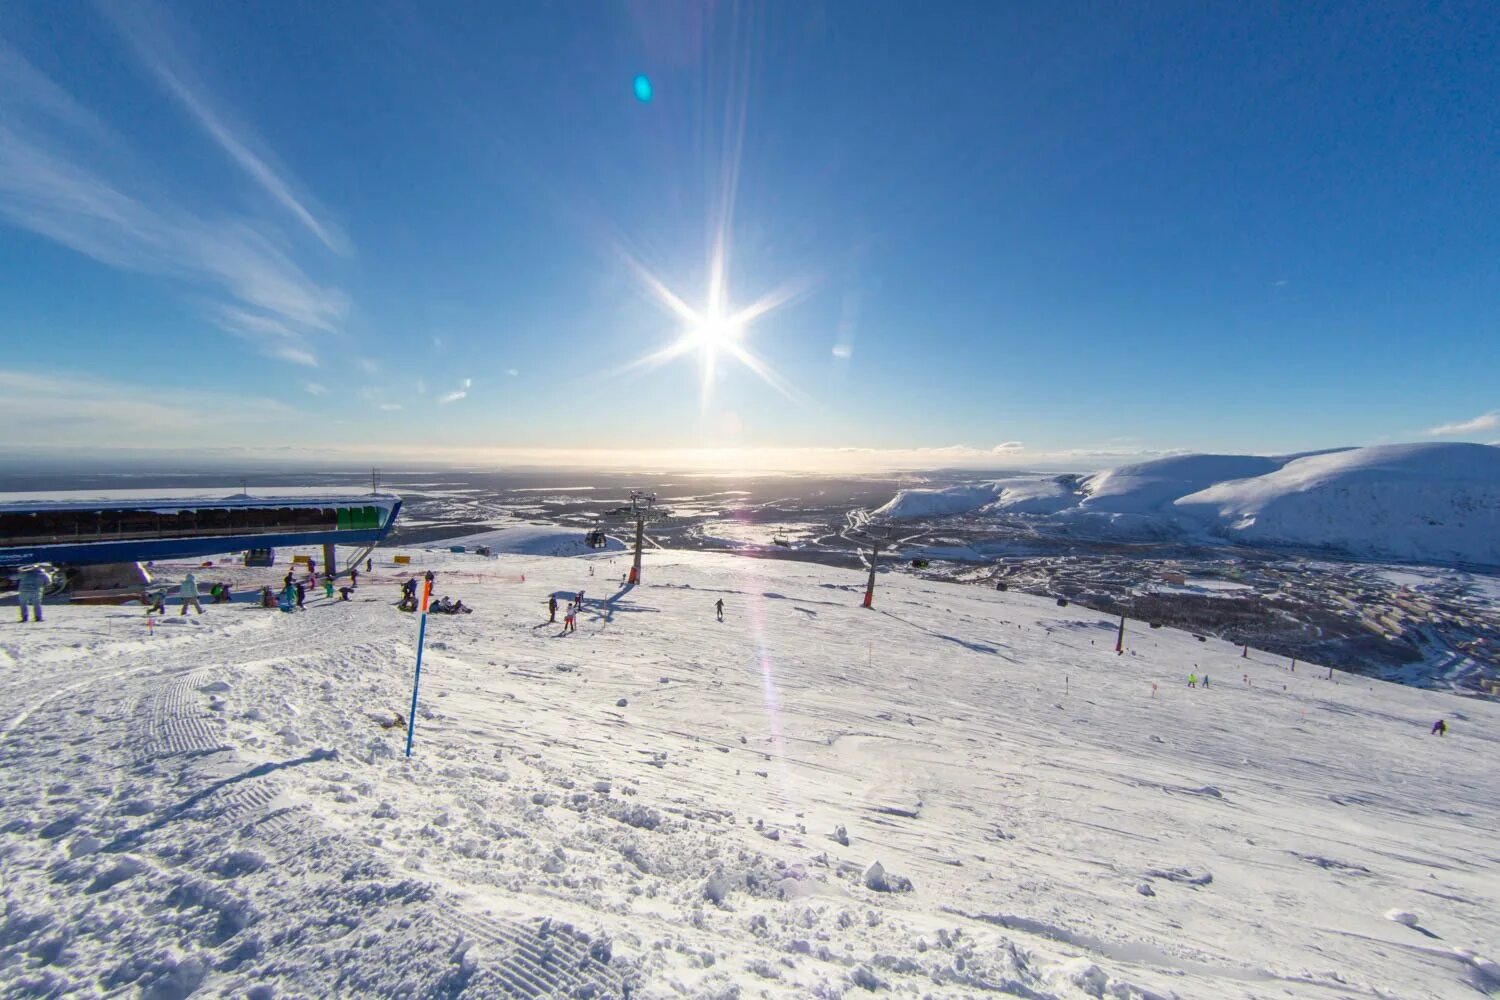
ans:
x=316 y=389
x=64 y=409
x=51 y=184
x=512 y=372
x=151 y=36
x=390 y=406
x=1007 y=447
x=1484 y=422
x=457 y=394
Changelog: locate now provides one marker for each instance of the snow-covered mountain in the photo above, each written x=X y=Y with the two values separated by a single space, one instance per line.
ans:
x=1426 y=502
x=1435 y=502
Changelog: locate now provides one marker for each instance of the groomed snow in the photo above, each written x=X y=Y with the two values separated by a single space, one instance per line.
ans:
x=961 y=793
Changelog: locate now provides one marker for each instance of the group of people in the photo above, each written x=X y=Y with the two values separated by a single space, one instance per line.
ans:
x=570 y=618
x=442 y=606
x=155 y=599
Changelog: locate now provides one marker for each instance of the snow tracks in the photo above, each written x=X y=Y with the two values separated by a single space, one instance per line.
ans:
x=144 y=852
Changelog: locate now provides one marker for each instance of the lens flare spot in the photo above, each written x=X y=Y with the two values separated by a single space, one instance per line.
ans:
x=642 y=88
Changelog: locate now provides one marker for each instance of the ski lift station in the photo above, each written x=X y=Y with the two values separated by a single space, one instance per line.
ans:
x=109 y=530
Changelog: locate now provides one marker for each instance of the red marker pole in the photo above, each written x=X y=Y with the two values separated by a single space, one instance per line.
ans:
x=411 y=719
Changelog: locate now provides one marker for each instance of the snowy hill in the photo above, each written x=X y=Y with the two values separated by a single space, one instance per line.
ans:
x=1434 y=502
x=961 y=793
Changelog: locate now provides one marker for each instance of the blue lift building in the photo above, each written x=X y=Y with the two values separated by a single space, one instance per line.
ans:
x=70 y=535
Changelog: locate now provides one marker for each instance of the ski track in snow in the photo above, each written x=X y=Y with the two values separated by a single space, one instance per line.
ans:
x=660 y=805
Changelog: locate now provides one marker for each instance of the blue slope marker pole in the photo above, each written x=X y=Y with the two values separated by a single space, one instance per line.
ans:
x=411 y=718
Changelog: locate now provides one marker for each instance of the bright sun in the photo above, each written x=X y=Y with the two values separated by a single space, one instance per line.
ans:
x=713 y=332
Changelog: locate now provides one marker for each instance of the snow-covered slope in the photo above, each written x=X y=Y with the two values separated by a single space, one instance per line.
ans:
x=1151 y=486
x=1040 y=494
x=676 y=807
x=1432 y=502
x=532 y=539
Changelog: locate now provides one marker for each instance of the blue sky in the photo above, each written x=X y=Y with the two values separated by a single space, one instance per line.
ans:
x=994 y=233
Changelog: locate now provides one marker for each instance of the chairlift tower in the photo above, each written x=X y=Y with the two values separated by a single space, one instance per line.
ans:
x=641 y=509
x=877 y=536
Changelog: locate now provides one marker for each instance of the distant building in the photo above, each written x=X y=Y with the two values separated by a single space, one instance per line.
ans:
x=1173 y=577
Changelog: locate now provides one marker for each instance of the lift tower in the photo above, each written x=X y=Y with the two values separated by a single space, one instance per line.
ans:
x=641 y=509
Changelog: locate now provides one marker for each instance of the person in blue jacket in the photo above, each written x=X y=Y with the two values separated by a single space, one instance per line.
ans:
x=33 y=581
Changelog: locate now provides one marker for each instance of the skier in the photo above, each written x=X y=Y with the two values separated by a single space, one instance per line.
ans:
x=33 y=581
x=312 y=567
x=719 y=607
x=286 y=581
x=430 y=576
x=267 y=599
x=369 y=565
x=301 y=595
x=328 y=587
x=189 y=592
x=156 y=602
x=579 y=599
x=353 y=577
x=552 y=609
x=409 y=588
x=344 y=593
x=570 y=621
x=1205 y=680
x=1439 y=728
x=1192 y=680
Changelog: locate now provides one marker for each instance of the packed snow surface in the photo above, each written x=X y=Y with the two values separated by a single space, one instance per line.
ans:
x=960 y=793
x=1435 y=502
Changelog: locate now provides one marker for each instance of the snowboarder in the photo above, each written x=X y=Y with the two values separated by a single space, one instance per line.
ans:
x=312 y=567
x=430 y=576
x=719 y=608
x=301 y=595
x=267 y=598
x=1205 y=680
x=286 y=581
x=344 y=593
x=1192 y=680
x=33 y=581
x=328 y=587
x=1440 y=728
x=189 y=592
x=353 y=577
x=156 y=602
x=409 y=588
x=369 y=565
x=552 y=609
